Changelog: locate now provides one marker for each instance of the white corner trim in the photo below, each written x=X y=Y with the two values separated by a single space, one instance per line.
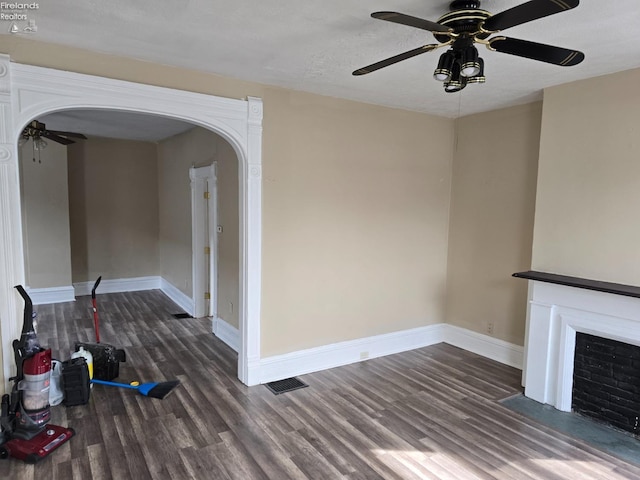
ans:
x=178 y=297
x=40 y=296
x=315 y=359
x=226 y=332
x=484 y=345
x=118 y=285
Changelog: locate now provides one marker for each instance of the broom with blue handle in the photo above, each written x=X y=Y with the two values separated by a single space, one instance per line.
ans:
x=152 y=389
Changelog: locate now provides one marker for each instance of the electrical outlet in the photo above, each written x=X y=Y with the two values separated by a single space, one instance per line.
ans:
x=364 y=355
x=490 y=328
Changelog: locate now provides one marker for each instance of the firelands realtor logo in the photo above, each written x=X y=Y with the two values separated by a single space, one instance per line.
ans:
x=19 y=16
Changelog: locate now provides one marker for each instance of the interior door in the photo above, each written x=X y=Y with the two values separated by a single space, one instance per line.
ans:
x=204 y=240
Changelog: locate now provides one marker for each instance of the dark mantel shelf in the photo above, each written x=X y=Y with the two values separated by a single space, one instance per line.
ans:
x=607 y=287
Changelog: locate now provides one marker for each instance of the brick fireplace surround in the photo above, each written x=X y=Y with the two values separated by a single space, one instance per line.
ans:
x=606 y=381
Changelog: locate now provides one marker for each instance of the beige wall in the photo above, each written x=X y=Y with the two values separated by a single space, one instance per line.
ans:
x=45 y=216
x=175 y=156
x=228 y=241
x=198 y=147
x=589 y=180
x=491 y=228
x=355 y=220
x=113 y=197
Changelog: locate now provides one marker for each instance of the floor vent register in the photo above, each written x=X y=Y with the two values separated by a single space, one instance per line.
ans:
x=286 y=385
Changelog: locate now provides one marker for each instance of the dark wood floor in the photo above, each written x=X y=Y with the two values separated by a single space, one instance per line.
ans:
x=431 y=413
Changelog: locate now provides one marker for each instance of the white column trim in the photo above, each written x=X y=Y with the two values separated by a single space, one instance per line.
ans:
x=11 y=246
x=250 y=284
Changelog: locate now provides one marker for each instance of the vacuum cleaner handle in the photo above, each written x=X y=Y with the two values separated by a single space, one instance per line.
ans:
x=27 y=324
x=96 y=319
x=95 y=285
x=28 y=344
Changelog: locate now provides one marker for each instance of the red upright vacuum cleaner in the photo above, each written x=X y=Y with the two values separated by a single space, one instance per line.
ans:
x=25 y=433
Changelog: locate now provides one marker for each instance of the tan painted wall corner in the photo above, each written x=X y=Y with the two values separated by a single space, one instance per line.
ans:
x=491 y=226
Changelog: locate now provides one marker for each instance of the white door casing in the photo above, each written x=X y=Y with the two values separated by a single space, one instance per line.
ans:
x=203 y=235
x=27 y=92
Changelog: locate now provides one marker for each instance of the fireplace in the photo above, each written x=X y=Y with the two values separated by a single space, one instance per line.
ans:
x=606 y=381
x=559 y=308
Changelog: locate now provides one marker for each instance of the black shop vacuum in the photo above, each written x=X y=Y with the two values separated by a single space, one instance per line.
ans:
x=25 y=433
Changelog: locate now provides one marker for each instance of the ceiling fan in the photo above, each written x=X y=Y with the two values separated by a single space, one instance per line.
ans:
x=37 y=131
x=465 y=25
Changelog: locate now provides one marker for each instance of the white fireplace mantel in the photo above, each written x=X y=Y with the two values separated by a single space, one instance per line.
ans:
x=555 y=313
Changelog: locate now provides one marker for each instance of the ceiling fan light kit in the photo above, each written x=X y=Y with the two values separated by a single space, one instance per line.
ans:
x=37 y=130
x=466 y=25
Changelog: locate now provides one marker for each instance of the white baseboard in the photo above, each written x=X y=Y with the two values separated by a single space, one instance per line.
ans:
x=226 y=332
x=182 y=300
x=311 y=360
x=484 y=345
x=137 y=284
x=40 y=296
x=118 y=285
x=315 y=359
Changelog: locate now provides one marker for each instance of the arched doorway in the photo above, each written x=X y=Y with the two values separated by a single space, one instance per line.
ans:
x=27 y=92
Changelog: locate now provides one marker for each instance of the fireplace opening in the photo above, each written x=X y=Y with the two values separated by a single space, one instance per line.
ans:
x=606 y=381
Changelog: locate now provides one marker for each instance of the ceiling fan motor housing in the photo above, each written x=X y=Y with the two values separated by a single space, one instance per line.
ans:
x=465 y=17
x=464 y=4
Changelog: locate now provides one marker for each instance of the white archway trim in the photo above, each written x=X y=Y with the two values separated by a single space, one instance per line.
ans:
x=27 y=92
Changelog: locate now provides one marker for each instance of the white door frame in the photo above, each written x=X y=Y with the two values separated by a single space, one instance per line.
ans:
x=201 y=177
x=28 y=92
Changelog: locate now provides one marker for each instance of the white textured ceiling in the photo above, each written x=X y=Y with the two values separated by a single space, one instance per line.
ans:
x=314 y=46
x=114 y=124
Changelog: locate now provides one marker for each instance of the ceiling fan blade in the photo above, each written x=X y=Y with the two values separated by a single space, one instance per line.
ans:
x=527 y=12
x=537 y=51
x=395 y=59
x=56 y=138
x=67 y=134
x=416 y=22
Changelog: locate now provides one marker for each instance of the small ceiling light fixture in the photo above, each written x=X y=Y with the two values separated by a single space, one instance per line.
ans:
x=457 y=82
x=445 y=64
x=479 y=77
x=470 y=66
x=36 y=131
x=39 y=144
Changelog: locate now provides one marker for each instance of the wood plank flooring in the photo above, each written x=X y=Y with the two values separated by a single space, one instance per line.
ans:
x=432 y=413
